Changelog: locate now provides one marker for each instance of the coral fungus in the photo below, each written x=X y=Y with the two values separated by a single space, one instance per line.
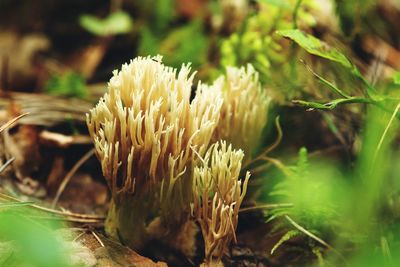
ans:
x=153 y=145
x=147 y=134
x=244 y=111
x=217 y=195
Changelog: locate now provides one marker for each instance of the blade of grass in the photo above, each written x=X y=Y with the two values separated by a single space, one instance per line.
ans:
x=66 y=214
x=386 y=130
x=267 y=206
x=15 y=204
x=316 y=238
x=326 y=82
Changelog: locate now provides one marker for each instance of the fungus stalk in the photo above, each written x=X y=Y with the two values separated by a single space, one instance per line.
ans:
x=147 y=136
x=217 y=196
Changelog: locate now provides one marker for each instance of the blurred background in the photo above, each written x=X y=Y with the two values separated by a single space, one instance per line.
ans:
x=335 y=88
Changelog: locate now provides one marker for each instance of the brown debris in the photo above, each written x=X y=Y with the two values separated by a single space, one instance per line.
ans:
x=22 y=145
x=20 y=51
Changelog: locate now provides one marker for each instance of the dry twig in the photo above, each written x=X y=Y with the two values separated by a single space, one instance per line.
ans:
x=68 y=216
x=69 y=175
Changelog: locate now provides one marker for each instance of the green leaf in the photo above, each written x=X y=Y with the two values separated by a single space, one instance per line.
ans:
x=289 y=235
x=14 y=204
x=316 y=47
x=164 y=14
x=70 y=84
x=92 y=24
x=302 y=163
x=332 y=104
x=319 y=48
x=33 y=242
x=327 y=83
x=278 y=3
x=149 y=42
x=116 y=23
x=172 y=48
x=396 y=78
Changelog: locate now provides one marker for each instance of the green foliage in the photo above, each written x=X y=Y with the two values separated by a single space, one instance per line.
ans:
x=14 y=204
x=184 y=44
x=286 y=237
x=350 y=206
x=278 y=3
x=316 y=47
x=163 y=14
x=256 y=43
x=312 y=188
x=70 y=84
x=396 y=78
x=353 y=14
x=116 y=23
x=26 y=241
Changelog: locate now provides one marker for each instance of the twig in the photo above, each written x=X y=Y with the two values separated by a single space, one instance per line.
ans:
x=386 y=131
x=79 y=236
x=11 y=122
x=69 y=175
x=270 y=148
x=97 y=238
x=267 y=206
x=277 y=164
x=65 y=218
x=316 y=238
x=259 y=169
x=4 y=166
x=61 y=213
x=308 y=233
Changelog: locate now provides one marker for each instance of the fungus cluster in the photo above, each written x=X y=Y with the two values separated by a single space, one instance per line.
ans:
x=217 y=196
x=244 y=110
x=154 y=145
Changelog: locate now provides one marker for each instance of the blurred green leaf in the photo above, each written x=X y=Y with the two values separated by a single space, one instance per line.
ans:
x=174 y=47
x=31 y=242
x=14 y=204
x=70 y=84
x=148 y=43
x=354 y=15
x=279 y=3
x=163 y=14
x=396 y=78
x=116 y=23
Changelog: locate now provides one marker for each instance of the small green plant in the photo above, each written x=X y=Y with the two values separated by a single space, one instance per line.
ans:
x=70 y=84
x=396 y=78
x=255 y=42
x=171 y=46
x=318 y=48
x=115 y=23
x=312 y=190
